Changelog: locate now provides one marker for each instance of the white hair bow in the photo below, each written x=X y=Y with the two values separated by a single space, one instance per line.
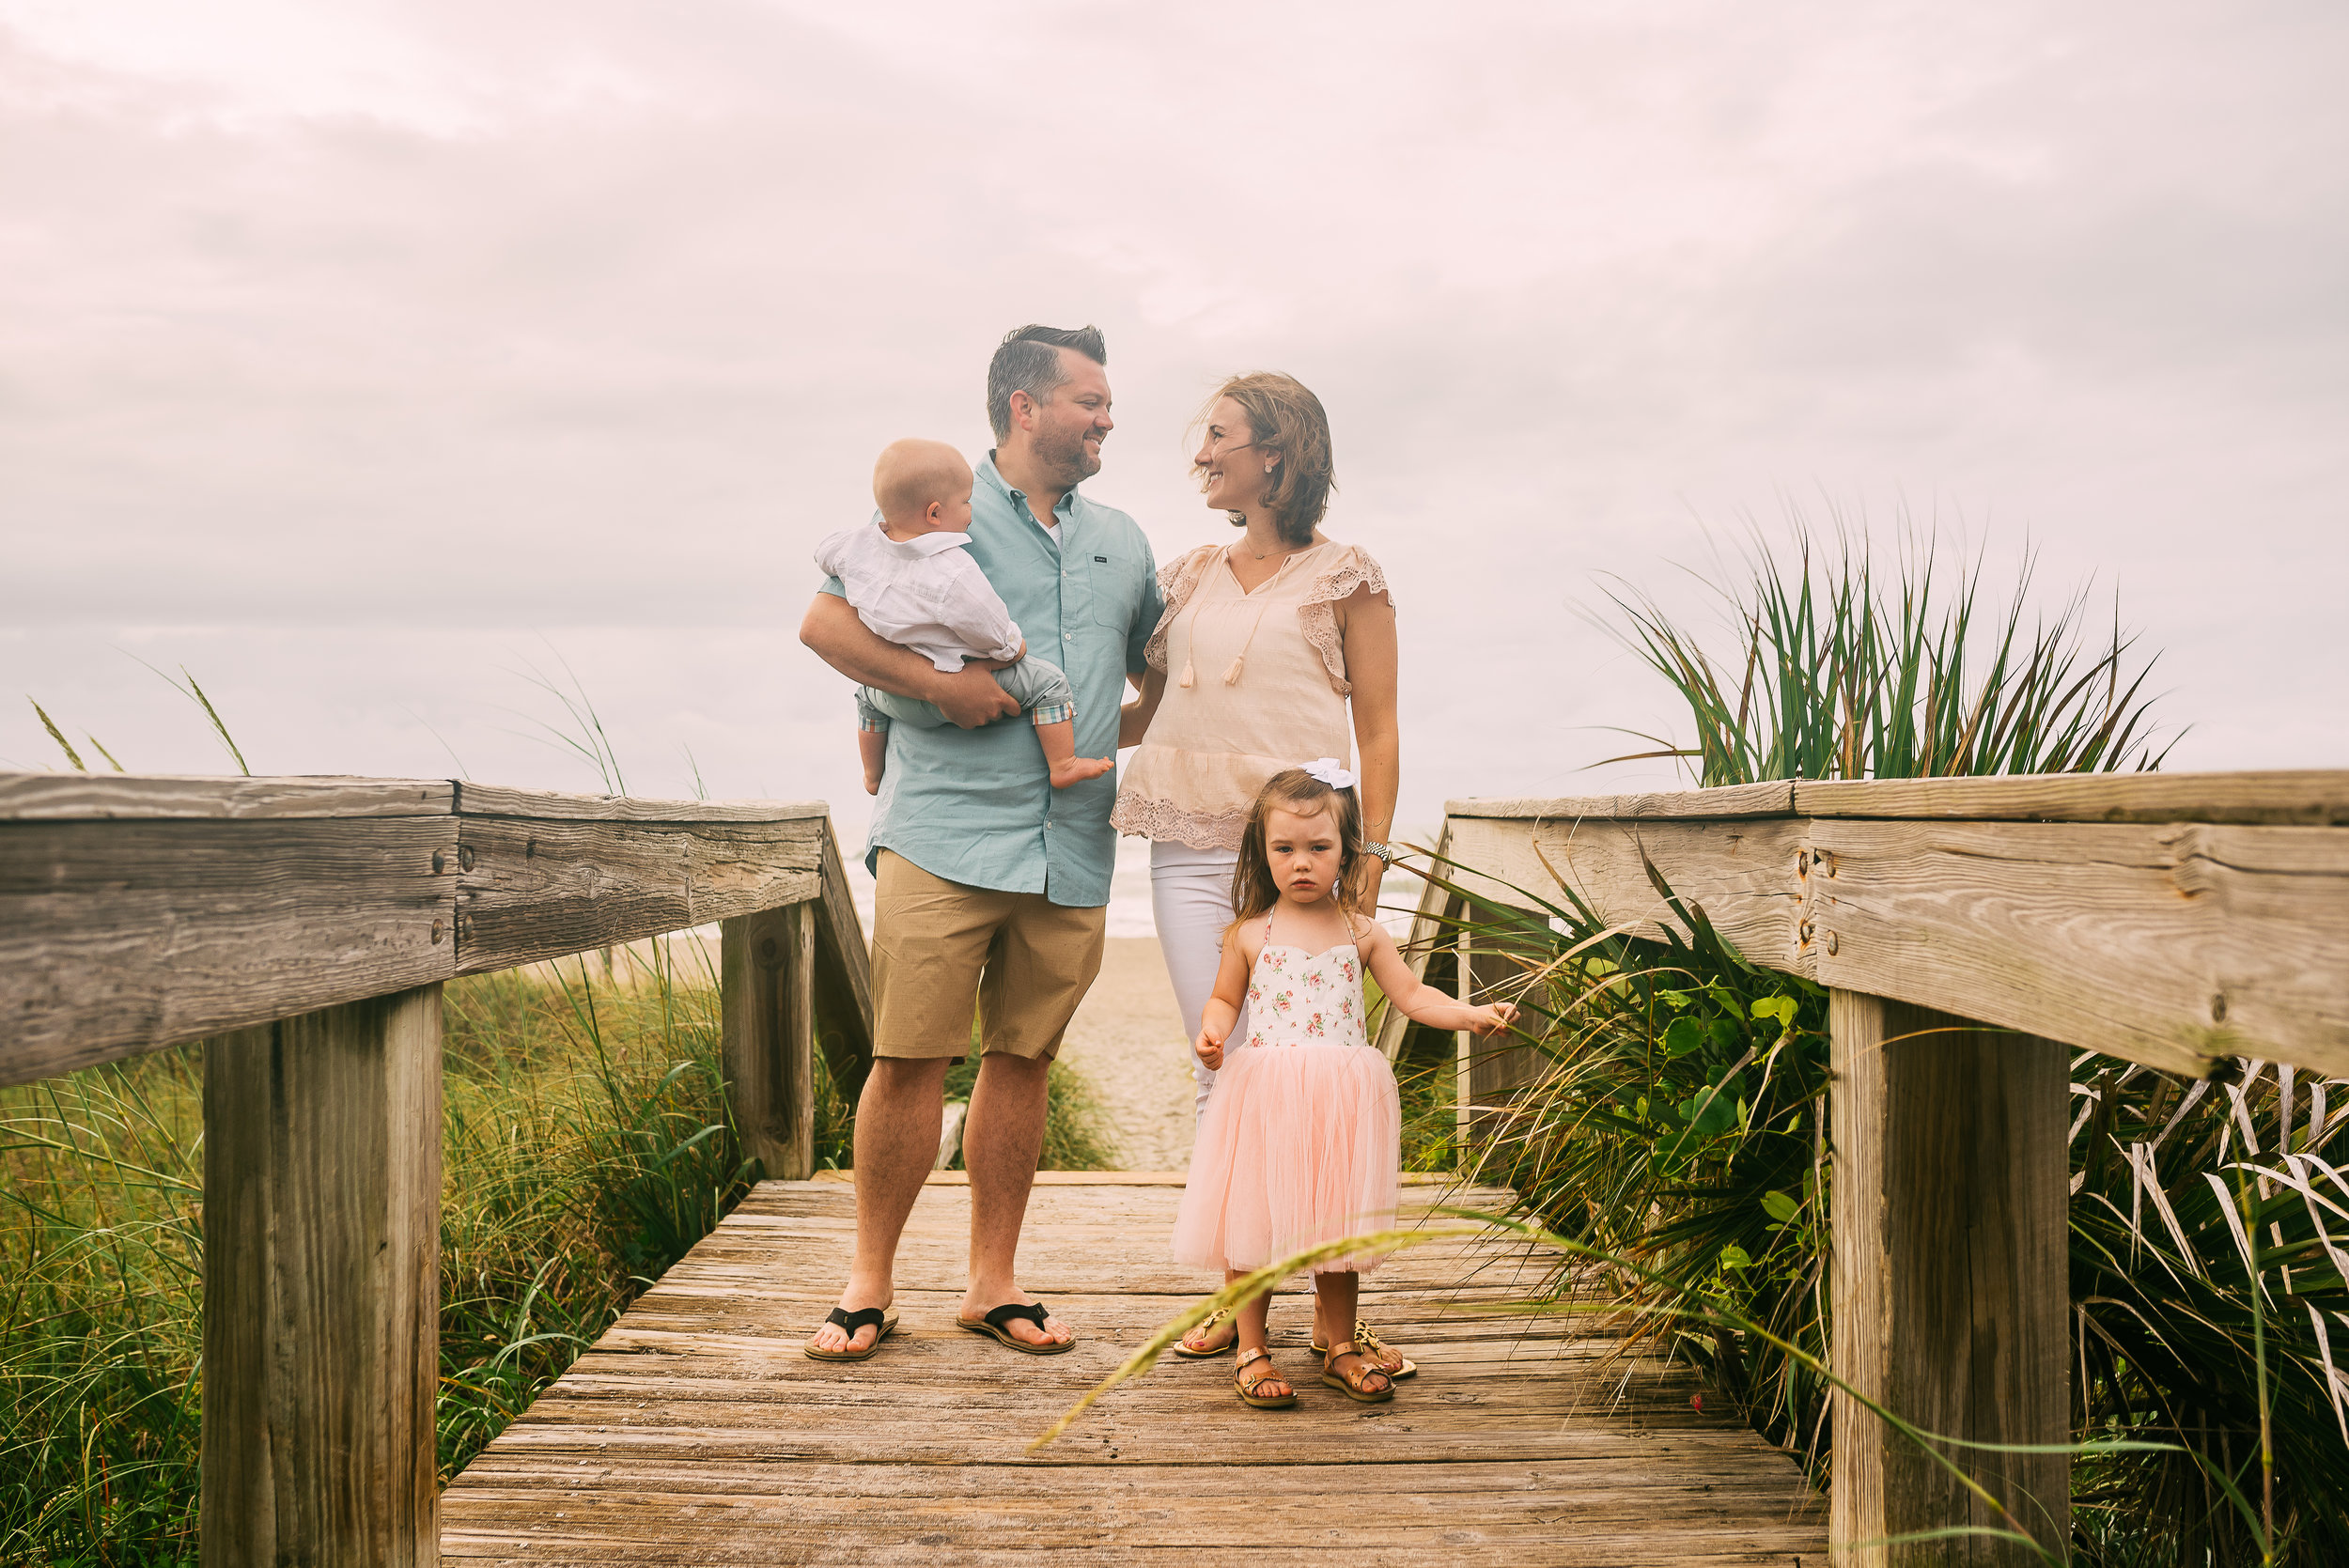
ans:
x=1328 y=772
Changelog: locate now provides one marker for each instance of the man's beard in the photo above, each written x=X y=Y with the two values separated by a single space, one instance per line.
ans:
x=1067 y=457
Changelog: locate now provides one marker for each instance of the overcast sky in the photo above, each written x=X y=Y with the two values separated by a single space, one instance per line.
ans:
x=358 y=357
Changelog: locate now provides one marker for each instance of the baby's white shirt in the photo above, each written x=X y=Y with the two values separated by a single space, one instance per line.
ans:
x=925 y=594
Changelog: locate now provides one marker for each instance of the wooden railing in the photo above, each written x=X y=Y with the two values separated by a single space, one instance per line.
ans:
x=2177 y=920
x=302 y=929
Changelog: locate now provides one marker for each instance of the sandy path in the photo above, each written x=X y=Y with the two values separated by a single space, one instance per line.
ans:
x=1127 y=1039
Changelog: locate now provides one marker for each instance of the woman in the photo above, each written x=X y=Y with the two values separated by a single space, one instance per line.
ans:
x=1264 y=646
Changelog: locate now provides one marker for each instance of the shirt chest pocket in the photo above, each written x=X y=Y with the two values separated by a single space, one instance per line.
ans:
x=1114 y=588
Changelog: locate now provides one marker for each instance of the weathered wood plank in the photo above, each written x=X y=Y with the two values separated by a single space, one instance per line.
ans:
x=1745 y=875
x=739 y=868
x=533 y=889
x=696 y=1432
x=767 y=998
x=2310 y=798
x=322 y=1270
x=475 y=800
x=121 y=936
x=131 y=797
x=1950 y=1287
x=1773 y=799
x=2169 y=945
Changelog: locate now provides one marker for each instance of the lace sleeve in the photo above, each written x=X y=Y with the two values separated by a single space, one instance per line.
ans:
x=1178 y=580
x=1318 y=614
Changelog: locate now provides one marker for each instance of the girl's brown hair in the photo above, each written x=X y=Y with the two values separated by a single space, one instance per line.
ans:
x=1286 y=421
x=1253 y=891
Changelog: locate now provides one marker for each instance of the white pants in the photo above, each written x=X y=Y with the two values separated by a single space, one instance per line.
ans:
x=1190 y=896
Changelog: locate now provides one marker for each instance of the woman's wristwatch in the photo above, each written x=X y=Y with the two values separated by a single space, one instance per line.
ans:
x=1386 y=852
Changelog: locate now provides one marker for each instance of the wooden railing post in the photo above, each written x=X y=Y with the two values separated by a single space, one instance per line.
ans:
x=767 y=965
x=322 y=1286
x=1952 y=1294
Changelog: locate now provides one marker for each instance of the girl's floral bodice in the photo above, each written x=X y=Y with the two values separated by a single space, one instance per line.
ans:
x=1297 y=997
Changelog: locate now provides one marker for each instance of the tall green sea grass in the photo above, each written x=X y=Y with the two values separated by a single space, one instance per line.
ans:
x=1833 y=671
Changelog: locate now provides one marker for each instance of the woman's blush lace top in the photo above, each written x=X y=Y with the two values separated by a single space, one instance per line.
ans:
x=1255 y=683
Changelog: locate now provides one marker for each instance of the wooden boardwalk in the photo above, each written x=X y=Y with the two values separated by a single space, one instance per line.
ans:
x=694 y=1432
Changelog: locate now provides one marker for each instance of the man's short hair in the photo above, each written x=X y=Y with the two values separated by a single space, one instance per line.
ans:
x=1029 y=362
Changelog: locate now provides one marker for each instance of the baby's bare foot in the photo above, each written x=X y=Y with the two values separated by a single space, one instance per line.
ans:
x=1078 y=769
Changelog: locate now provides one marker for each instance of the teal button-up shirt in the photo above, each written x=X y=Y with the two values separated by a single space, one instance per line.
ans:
x=976 y=806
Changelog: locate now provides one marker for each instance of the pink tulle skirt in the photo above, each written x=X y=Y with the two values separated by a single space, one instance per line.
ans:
x=1299 y=1145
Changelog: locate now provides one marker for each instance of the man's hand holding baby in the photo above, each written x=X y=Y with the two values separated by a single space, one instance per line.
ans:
x=971 y=696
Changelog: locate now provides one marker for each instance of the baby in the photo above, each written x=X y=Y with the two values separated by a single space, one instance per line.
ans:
x=912 y=582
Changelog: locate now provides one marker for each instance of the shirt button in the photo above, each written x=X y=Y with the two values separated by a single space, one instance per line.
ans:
x=1068 y=636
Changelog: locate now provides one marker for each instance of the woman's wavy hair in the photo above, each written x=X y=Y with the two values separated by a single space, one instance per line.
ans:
x=1286 y=420
x=1253 y=890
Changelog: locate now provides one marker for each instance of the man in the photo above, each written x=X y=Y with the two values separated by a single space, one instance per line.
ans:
x=992 y=886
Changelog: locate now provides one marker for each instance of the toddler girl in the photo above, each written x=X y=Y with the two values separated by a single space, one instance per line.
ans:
x=1301 y=1135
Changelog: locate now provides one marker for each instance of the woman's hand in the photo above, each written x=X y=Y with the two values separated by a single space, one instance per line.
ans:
x=1491 y=1019
x=1373 y=874
x=1210 y=1046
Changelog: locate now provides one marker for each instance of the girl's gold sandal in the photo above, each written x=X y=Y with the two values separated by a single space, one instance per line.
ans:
x=1377 y=1350
x=1247 y=1386
x=1350 y=1384
x=1215 y=1320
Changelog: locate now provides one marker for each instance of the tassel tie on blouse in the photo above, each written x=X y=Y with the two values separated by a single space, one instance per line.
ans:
x=1240 y=660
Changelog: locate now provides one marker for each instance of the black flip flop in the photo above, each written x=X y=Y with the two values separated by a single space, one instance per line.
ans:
x=883 y=1318
x=995 y=1325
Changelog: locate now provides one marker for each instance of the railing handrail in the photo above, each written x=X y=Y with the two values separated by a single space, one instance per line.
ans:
x=2316 y=798
x=139 y=912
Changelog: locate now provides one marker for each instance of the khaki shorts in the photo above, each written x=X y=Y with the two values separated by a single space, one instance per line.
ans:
x=939 y=947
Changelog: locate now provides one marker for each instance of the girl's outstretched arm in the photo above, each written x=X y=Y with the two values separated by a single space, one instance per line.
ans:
x=1223 y=1009
x=1420 y=1001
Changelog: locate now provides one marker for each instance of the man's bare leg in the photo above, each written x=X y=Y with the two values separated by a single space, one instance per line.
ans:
x=897 y=1124
x=1001 y=1141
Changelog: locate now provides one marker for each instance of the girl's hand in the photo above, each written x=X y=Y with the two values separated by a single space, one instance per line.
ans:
x=1210 y=1046
x=1492 y=1019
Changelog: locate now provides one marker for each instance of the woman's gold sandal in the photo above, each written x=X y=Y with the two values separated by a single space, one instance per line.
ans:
x=1377 y=1350
x=1215 y=1320
x=1351 y=1384
x=1247 y=1386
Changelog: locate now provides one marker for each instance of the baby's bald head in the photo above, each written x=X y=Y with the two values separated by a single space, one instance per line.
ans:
x=914 y=474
